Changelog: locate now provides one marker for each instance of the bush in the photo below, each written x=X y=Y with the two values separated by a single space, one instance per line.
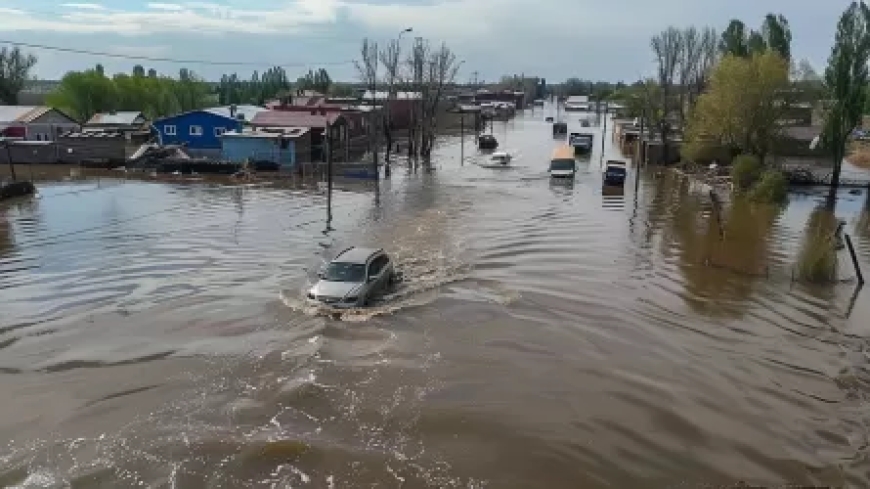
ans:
x=817 y=262
x=745 y=171
x=771 y=188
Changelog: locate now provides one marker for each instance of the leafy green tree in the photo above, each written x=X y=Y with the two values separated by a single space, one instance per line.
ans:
x=777 y=35
x=259 y=89
x=734 y=40
x=743 y=106
x=317 y=80
x=846 y=80
x=15 y=67
x=84 y=93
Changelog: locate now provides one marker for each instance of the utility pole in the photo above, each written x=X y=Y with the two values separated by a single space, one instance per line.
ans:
x=461 y=136
x=328 y=175
x=639 y=159
x=11 y=165
x=604 y=132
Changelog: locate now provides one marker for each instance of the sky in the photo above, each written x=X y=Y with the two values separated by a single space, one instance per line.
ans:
x=553 y=39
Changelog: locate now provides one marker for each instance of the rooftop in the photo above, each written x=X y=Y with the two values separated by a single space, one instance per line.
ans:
x=379 y=95
x=356 y=255
x=248 y=111
x=22 y=113
x=283 y=118
x=269 y=133
x=122 y=118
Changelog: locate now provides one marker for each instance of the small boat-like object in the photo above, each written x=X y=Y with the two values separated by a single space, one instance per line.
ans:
x=581 y=142
x=487 y=141
x=560 y=129
x=499 y=159
x=502 y=158
x=562 y=163
x=614 y=173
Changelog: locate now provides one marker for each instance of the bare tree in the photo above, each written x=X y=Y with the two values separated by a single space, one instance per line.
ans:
x=442 y=67
x=667 y=46
x=689 y=64
x=417 y=73
x=389 y=57
x=709 y=56
x=368 y=68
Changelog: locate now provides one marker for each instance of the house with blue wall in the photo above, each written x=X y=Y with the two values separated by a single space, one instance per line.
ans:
x=285 y=147
x=201 y=130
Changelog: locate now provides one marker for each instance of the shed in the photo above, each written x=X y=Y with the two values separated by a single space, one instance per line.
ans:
x=285 y=147
x=92 y=147
x=34 y=123
x=315 y=120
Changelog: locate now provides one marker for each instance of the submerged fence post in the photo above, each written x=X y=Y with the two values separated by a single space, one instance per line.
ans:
x=854 y=260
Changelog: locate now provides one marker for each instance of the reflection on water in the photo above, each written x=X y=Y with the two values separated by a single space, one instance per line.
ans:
x=548 y=333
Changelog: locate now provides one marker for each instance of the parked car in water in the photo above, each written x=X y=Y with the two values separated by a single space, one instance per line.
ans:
x=614 y=173
x=353 y=278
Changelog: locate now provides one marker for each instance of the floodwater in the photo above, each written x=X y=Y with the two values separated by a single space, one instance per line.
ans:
x=546 y=334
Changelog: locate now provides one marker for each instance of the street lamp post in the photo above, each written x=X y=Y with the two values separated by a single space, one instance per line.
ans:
x=390 y=95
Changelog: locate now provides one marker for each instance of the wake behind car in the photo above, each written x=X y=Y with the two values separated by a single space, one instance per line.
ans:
x=353 y=278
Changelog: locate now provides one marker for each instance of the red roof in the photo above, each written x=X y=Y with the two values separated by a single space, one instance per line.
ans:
x=285 y=118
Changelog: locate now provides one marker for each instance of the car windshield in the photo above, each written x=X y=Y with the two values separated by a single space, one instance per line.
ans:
x=345 y=272
x=562 y=165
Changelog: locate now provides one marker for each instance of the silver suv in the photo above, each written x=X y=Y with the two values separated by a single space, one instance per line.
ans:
x=353 y=278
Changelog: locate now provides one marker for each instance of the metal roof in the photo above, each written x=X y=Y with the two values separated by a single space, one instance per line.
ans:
x=356 y=255
x=284 y=118
x=274 y=133
x=22 y=113
x=248 y=111
x=367 y=95
x=122 y=118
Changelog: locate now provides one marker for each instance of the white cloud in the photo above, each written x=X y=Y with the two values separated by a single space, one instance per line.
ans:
x=172 y=7
x=201 y=17
x=84 y=6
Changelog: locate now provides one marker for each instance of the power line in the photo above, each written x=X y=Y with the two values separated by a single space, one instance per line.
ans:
x=166 y=60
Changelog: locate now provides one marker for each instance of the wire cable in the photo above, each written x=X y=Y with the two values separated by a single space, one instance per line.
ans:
x=167 y=60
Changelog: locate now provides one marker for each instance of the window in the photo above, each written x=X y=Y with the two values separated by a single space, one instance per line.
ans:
x=218 y=131
x=345 y=272
x=377 y=265
x=169 y=130
x=196 y=130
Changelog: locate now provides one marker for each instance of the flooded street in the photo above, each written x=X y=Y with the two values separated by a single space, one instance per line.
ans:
x=546 y=334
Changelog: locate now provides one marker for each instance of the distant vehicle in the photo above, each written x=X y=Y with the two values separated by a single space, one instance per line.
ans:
x=614 y=173
x=577 y=103
x=487 y=141
x=548 y=119
x=353 y=278
x=539 y=102
x=581 y=142
x=560 y=129
x=562 y=163
x=500 y=158
x=585 y=123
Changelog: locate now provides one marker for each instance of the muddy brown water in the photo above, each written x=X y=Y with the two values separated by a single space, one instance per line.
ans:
x=546 y=334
